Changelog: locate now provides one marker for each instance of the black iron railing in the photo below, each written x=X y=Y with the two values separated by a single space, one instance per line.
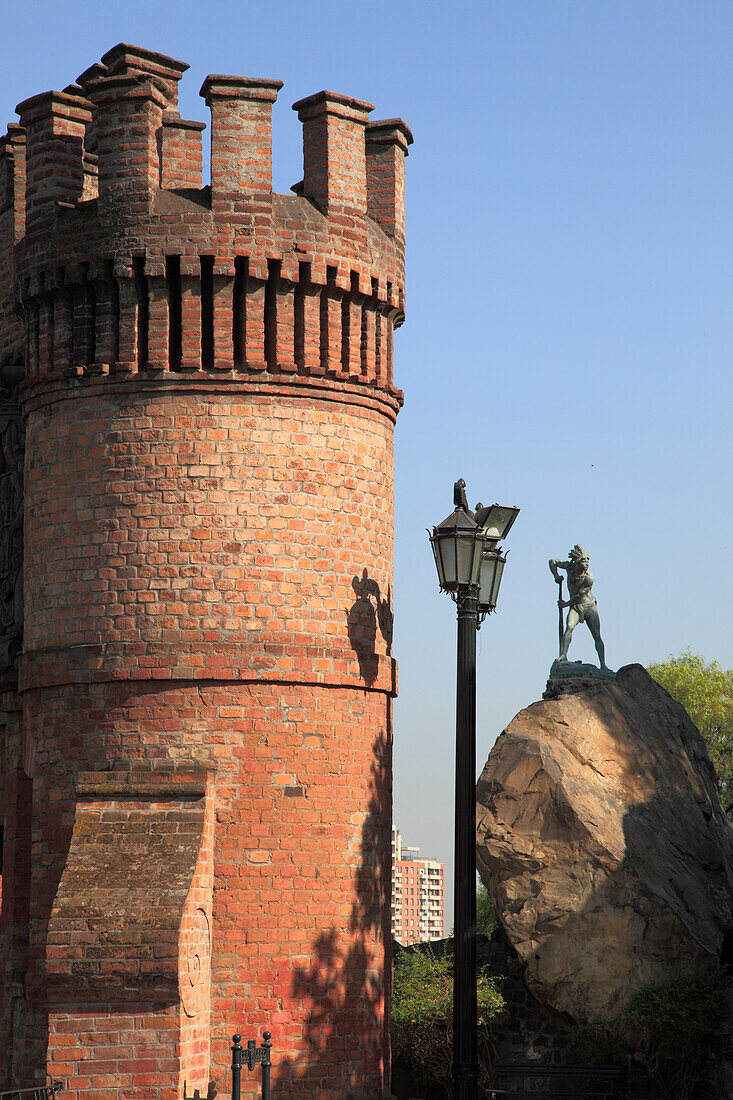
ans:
x=251 y=1056
x=42 y=1092
x=530 y=1079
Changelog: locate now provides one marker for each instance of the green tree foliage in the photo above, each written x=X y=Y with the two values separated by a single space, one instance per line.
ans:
x=486 y=920
x=422 y=1018
x=706 y=693
x=679 y=1018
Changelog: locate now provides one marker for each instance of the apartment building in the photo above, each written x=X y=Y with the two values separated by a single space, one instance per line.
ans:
x=418 y=895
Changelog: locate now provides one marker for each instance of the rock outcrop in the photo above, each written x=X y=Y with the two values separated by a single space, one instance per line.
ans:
x=603 y=844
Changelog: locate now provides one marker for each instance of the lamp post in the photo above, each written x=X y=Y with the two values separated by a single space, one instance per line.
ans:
x=470 y=566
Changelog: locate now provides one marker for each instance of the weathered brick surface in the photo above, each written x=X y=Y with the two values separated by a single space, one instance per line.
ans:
x=130 y=922
x=12 y=229
x=208 y=538
x=299 y=853
x=191 y=532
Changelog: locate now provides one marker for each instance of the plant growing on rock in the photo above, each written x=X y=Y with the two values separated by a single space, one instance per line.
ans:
x=486 y=920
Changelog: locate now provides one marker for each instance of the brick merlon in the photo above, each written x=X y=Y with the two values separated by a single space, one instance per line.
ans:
x=331 y=103
x=171 y=118
x=390 y=131
x=128 y=62
x=127 y=58
x=220 y=86
x=92 y=73
x=15 y=134
x=54 y=105
x=117 y=86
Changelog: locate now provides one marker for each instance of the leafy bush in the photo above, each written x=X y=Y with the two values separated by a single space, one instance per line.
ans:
x=486 y=920
x=706 y=693
x=422 y=1017
x=679 y=1017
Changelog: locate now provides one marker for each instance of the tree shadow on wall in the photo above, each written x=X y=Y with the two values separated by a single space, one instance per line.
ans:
x=369 y=612
x=347 y=984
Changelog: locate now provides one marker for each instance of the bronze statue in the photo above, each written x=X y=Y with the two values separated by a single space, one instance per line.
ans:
x=582 y=603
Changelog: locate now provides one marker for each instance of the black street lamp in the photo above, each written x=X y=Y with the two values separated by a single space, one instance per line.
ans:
x=470 y=566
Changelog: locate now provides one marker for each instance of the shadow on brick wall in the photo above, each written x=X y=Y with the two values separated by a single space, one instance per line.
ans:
x=369 y=612
x=346 y=1033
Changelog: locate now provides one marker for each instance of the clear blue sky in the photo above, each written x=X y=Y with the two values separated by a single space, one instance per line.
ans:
x=569 y=330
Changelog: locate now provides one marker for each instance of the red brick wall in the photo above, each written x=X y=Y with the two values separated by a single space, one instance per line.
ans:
x=12 y=229
x=177 y=516
x=221 y=540
x=208 y=581
x=300 y=867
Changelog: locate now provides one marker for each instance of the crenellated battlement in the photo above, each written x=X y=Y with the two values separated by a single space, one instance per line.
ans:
x=124 y=263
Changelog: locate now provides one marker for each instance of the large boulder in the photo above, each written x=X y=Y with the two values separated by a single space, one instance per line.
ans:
x=602 y=842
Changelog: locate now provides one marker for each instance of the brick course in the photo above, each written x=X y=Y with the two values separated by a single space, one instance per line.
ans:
x=207 y=677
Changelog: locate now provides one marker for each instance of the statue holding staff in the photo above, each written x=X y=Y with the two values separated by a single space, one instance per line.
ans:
x=582 y=603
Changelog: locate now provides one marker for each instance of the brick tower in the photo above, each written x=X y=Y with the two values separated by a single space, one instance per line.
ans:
x=196 y=589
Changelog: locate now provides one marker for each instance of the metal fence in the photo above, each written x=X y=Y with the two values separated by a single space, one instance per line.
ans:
x=530 y=1079
x=250 y=1056
x=45 y=1092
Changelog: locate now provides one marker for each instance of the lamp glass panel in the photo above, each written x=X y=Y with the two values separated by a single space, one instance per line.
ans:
x=498 y=573
x=447 y=551
x=478 y=546
x=465 y=568
x=435 y=543
x=492 y=567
